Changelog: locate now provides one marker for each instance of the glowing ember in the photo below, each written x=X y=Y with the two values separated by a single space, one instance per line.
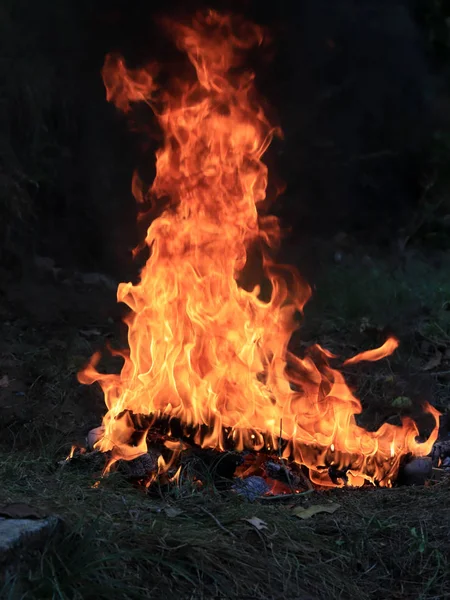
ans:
x=202 y=348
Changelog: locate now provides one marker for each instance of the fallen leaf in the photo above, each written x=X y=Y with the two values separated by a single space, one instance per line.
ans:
x=401 y=402
x=4 y=381
x=434 y=362
x=20 y=510
x=172 y=512
x=257 y=522
x=306 y=513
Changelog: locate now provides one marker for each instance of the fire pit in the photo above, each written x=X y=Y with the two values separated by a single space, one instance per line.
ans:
x=208 y=372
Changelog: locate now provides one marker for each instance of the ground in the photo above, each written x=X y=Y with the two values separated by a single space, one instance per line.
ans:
x=117 y=542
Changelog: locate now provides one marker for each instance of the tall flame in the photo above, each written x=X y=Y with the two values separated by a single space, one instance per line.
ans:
x=202 y=348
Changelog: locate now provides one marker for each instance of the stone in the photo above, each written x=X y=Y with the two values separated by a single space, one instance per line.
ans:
x=416 y=472
x=441 y=451
x=94 y=436
x=24 y=533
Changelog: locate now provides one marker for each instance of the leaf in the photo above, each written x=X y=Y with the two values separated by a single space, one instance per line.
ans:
x=434 y=362
x=20 y=510
x=257 y=522
x=306 y=513
x=172 y=512
x=401 y=402
x=4 y=381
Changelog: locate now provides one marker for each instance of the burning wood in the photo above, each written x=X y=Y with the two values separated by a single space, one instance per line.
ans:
x=142 y=467
x=204 y=350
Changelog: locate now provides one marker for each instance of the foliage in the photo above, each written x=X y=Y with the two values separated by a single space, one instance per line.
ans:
x=435 y=16
x=36 y=113
x=408 y=294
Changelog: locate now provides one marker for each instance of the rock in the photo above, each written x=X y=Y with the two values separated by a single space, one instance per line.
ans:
x=251 y=487
x=441 y=451
x=94 y=435
x=17 y=533
x=416 y=472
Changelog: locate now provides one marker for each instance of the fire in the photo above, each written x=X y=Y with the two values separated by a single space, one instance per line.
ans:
x=203 y=349
x=386 y=349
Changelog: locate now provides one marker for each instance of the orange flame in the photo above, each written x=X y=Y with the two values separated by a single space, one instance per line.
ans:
x=71 y=453
x=202 y=348
x=389 y=346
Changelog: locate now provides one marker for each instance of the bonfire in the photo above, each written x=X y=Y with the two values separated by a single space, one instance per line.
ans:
x=209 y=364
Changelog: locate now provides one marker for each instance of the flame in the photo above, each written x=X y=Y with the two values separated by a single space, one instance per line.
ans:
x=203 y=348
x=386 y=349
x=71 y=453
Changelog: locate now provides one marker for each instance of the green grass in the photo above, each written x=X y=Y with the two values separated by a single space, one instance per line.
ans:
x=358 y=303
x=414 y=295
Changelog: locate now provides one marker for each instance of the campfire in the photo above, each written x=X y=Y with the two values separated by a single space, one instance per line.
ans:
x=209 y=367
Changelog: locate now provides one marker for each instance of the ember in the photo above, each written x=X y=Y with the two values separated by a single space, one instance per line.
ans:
x=203 y=350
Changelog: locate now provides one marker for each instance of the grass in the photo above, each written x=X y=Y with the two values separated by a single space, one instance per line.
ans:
x=412 y=295
x=115 y=541
x=118 y=542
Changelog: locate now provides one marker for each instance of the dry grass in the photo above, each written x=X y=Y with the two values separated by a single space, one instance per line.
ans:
x=118 y=542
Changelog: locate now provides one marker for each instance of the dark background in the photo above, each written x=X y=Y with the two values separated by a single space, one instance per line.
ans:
x=359 y=87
